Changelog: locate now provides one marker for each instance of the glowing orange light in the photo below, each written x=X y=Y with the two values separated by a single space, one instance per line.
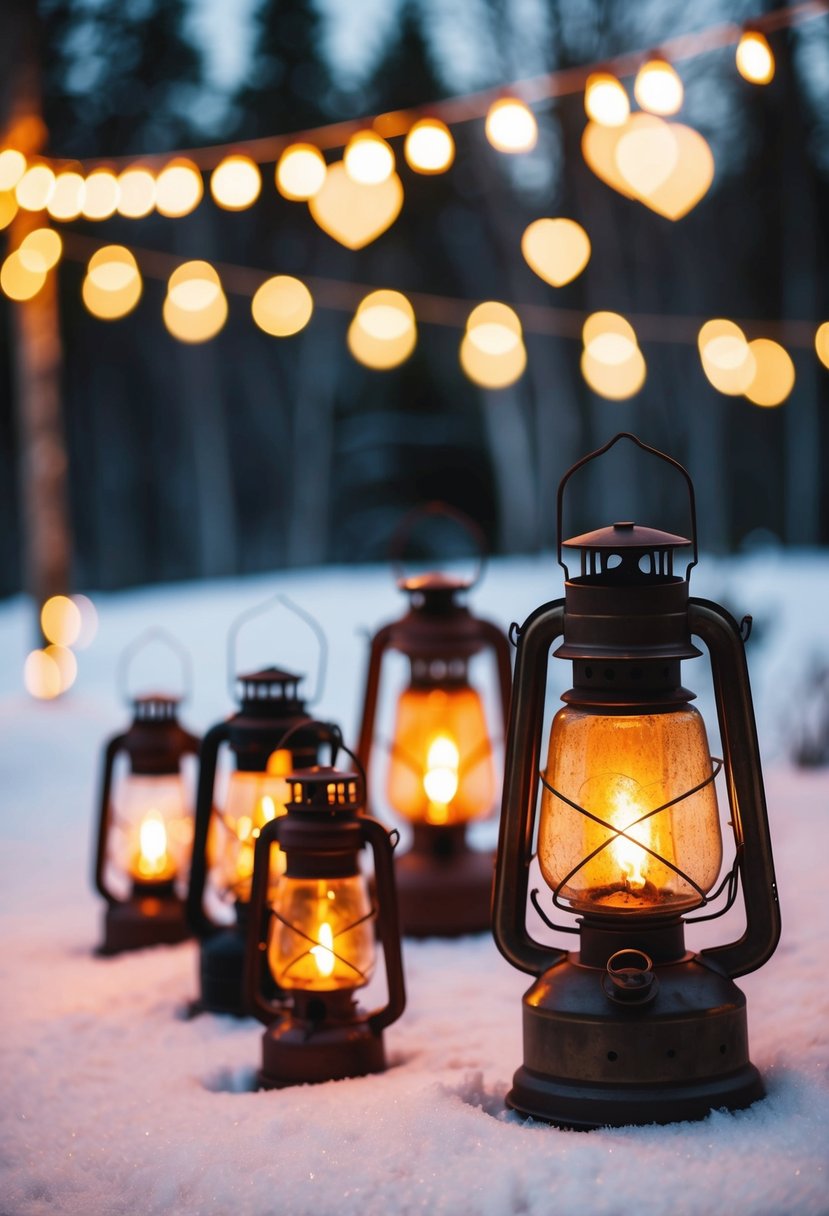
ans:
x=658 y=88
x=755 y=58
x=511 y=126
x=8 y=208
x=774 y=374
x=429 y=146
x=556 y=249
x=179 y=188
x=300 y=172
x=41 y=249
x=605 y=100
x=822 y=343
x=282 y=306
x=352 y=213
x=41 y=676
x=152 y=861
x=67 y=665
x=235 y=183
x=12 y=168
x=383 y=333
x=35 y=188
x=136 y=192
x=727 y=359
x=113 y=285
x=196 y=307
x=67 y=199
x=100 y=198
x=368 y=159
x=18 y=280
x=60 y=620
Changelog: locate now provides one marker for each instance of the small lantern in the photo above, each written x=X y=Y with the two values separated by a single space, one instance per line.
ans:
x=441 y=772
x=632 y=1028
x=145 y=820
x=269 y=736
x=312 y=934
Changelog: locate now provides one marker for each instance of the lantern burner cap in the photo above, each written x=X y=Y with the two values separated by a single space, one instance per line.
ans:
x=626 y=535
x=269 y=684
x=325 y=789
x=155 y=707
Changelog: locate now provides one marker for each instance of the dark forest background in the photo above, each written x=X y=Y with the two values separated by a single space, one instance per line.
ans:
x=249 y=453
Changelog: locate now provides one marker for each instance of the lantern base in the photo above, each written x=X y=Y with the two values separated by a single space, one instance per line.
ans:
x=593 y=1060
x=144 y=920
x=444 y=888
x=318 y=1046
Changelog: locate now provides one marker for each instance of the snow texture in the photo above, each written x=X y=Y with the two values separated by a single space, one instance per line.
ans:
x=113 y=1103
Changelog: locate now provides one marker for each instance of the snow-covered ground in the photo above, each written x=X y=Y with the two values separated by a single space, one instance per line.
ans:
x=111 y=1102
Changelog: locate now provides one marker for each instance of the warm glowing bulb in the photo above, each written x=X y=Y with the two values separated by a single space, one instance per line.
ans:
x=282 y=306
x=385 y=315
x=100 y=198
x=300 y=172
x=67 y=198
x=556 y=249
x=492 y=370
x=494 y=328
x=18 y=280
x=440 y=781
x=8 y=208
x=658 y=88
x=627 y=855
x=822 y=343
x=153 y=860
x=429 y=146
x=179 y=188
x=511 y=126
x=368 y=159
x=323 y=952
x=196 y=307
x=727 y=359
x=60 y=620
x=67 y=665
x=113 y=285
x=12 y=168
x=615 y=381
x=381 y=354
x=605 y=100
x=235 y=183
x=755 y=58
x=35 y=188
x=774 y=374
x=599 y=325
x=136 y=197
x=41 y=676
x=41 y=249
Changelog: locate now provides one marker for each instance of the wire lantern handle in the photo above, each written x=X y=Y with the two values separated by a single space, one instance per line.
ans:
x=130 y=652
x=645 y=447
x=279 y=599
x=427 y=510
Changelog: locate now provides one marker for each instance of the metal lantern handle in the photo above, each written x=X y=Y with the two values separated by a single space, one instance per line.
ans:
x=261 y=609
x=403 y=533
x=200 y=923
x=130 y=653
x=382 y=844
x=113 y=747
x=257 y=940
x=669 y=460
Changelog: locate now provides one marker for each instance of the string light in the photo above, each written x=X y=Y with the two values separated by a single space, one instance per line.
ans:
x=136 y=192
x=40 y=250
x=60 y=620
x=179 y=188
x=112 y=286
x=235 y=184
x=67 y=198
x=368 y=159
x=8 y=208
x=300 y=172
x=100 y=198
x=755 y=58
x=41 y=676
x=557 y=250
x=492 y=351
x=511 y=126
x=35 y=188
x=727 y=359
x=282 y=306
x=354 y=213
x=66 y=663
x=611 y=362
x=17 y=280
x=605 y=100
x=195 y=308
x=822 y=343
x=658 y=88
x=429 y=146
x=12 y=168
x=383 y=333
x=774 y=375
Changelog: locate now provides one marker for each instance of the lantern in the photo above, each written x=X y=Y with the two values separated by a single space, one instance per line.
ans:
x=441 y=772
x=632 y=1028
x=267 y=738
x=145 y=820
x=312 y=934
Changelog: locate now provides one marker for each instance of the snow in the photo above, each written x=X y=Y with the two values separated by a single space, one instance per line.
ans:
x=113 y=1103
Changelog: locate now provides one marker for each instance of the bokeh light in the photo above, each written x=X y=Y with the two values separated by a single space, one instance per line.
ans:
x=41 y=676
x=605 y=100
x=179 y=188
x=60 y=620
x=235 y=183
x=352 y=213
x=300 y=172
x=100 y=198
x=41 y=249
x=282 y=306
x=17 y=280
x=67 y=198
x=35 y=188
x=822 y=343
x=89 y=621
x=429 y=146
x=511 y=126
x=195 y=308
x=615 y=381
x=774 y=374
x=136 y=192
x=726 y=357
x=557 y=250
x=368 y=159
x=755 y=58
x=383 y=332
x=612 y=334
x=8 y=208
x=657 y=87
x=494 y=328
x=492 y=370
x=113 y=285
x=12 y=168
x=66 y=663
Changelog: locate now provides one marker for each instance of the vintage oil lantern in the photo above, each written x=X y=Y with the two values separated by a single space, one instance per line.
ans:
x=632 y=1028
x=312 y=933
x=269 y=736
x=441 y=770
x=145 y=817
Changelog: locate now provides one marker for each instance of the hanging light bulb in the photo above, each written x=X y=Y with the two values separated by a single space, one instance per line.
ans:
x=235 y=183
x=282 y=306
x=429 y=146
x=18 y=280
x=136 y=197
x=773 y=375
x=368 y=159
x=300 y=172
x=67 y=199
x=8 y=208
x=383 y=333
x=35 y=188
x=195 y=308
x=112 y=286
x=657 y=87
x=12 y=168
x=179 y=188
x=605 y=100
x=755 y=58
x=511 y=126
x=822 y=343
x=41 y=249
x=100 y=198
